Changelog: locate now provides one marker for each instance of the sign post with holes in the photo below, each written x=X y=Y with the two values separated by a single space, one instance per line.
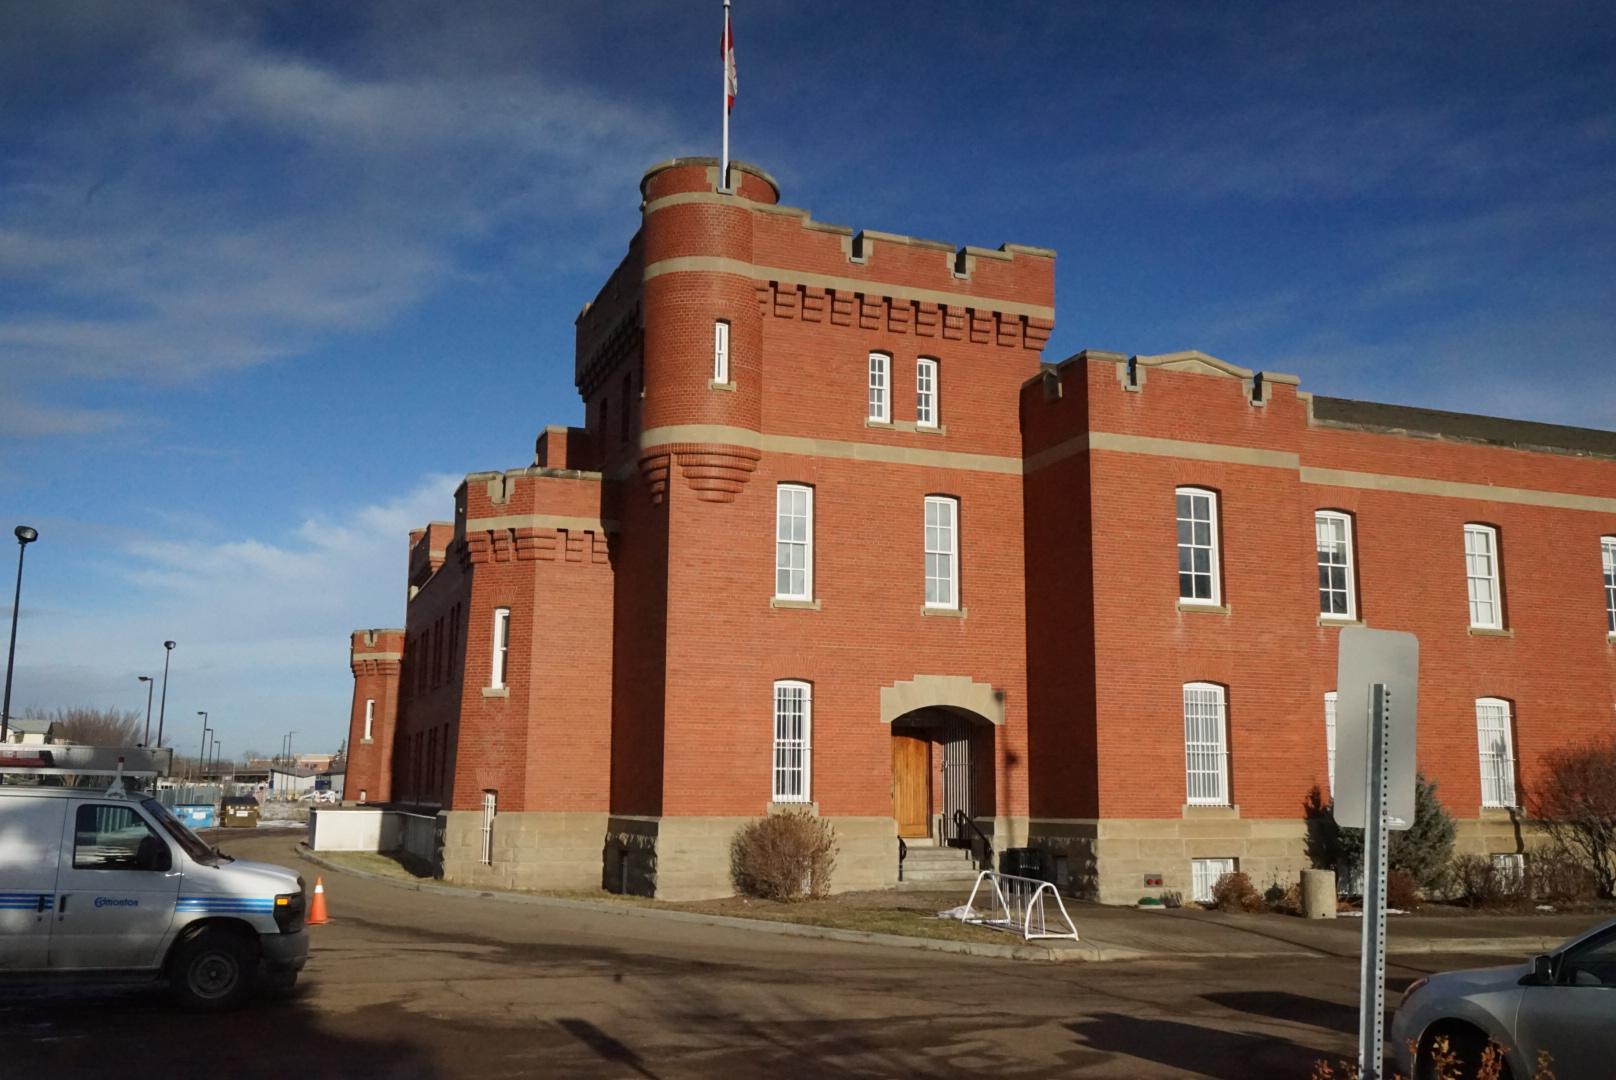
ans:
x=1377 y=700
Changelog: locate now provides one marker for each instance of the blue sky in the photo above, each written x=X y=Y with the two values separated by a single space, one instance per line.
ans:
x=274 y=275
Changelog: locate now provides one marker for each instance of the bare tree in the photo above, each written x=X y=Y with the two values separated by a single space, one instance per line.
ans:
x=1575 y=803
x=84 y=726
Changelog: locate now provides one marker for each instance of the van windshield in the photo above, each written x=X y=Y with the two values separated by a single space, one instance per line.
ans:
x=193 y=845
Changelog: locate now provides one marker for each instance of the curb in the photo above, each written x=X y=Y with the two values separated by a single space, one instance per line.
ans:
x=1081 y=951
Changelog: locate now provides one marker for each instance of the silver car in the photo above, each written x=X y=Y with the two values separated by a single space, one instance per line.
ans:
x=1562 y=1004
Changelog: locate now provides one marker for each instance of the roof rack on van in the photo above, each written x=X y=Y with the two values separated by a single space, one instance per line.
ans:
x=54 y=759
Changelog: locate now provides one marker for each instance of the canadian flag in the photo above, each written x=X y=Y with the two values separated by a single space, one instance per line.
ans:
x=728 y=52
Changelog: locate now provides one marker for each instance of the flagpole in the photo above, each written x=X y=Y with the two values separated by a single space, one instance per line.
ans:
x=723 y=163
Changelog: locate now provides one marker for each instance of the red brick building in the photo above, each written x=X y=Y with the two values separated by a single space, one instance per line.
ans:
x=834 y=535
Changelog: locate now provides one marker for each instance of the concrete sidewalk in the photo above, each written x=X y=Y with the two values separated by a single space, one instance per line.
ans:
x=1191 y=932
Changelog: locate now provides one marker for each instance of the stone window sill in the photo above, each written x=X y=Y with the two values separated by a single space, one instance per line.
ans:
x=1228 y=812
x=1498 y=813
x=1206 y=609
x=497 y=691
x=366 y=742
x=943 y=612
x=907 y=425
x=793 y=605
x=1339 y=620
x=783 y=807
x=1611 y=638
x=714 y=385
x=1488 y=631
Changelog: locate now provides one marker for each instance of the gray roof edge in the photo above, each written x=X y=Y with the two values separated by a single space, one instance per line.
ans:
x=1465 y=427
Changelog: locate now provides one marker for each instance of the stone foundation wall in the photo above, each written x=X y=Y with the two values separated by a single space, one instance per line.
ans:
x=687 y=858
x=1107 y=859
x=531 y=850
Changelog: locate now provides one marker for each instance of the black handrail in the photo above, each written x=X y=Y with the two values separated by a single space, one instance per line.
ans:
x=960 y=823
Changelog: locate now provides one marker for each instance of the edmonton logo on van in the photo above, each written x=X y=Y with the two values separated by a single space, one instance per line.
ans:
x=115 y=901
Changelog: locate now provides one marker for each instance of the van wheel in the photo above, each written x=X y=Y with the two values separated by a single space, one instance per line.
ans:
x=213 y=971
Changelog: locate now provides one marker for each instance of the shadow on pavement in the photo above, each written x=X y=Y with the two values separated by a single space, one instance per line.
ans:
x=136 y=1031
x=604 y=1045
x=1228 y=1055
x=1296 y=1008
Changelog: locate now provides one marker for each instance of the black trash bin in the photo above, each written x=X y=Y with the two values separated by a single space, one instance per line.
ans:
x=1022 y=862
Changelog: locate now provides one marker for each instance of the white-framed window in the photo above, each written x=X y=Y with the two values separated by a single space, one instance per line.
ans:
x=880 y=387
x=370 y=718
x=502 y=646
x=1481 y=575
x=1509 y=867
x=1206 y=746
x=1198 y=546
x=1204 y=874
x=1333 y=531
x=1607 y=553
x=1329 y=738
x=794 y=542
x=1497 y=742
x=720 y=351
x=925 y=392
x=793 y=740
x=942 y=552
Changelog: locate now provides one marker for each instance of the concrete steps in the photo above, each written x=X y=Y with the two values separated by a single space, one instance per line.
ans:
x=938 y=866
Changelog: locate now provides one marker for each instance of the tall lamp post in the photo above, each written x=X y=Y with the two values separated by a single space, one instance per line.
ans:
x=147 y=679
x=162 y=708
x=202 y=752
x=25 y=535
x=217 y=774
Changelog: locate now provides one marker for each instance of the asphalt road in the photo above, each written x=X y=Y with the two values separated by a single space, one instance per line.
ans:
x=404 y=984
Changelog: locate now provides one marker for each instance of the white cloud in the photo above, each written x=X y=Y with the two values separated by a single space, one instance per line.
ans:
x=218 y=200
x=262 y=622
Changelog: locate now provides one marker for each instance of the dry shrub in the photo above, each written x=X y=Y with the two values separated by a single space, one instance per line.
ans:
x=1480 y=884
x=1558 y=877
x=1235 y=892
x=787 y=856
x=1575 y=803
x=1401 y=892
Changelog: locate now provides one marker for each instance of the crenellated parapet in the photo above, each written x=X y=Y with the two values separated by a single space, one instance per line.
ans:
x=535 y=514
x=375 y=652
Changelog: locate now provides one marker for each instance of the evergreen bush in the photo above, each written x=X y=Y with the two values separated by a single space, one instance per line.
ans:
x=1423 y=851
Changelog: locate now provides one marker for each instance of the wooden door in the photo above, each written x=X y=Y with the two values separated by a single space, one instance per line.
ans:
x=911 y=785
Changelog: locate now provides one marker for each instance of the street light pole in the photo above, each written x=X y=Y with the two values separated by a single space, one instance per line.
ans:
x=147 y=679
x=202 y=751
x=162 y=708
x=25 y=535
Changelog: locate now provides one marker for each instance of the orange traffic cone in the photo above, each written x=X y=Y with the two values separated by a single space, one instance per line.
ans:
x=317 y=915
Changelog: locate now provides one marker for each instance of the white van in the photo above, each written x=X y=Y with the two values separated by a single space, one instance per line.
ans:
x=112 y=882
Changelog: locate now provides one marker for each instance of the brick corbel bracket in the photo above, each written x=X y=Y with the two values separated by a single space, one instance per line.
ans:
x=714 y=473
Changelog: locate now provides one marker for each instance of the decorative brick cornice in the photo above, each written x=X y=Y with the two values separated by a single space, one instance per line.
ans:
x=374 y=667
x=899 y=315
x=537 y=545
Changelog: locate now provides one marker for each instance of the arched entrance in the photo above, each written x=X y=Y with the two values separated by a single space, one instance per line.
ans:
x=943 y=735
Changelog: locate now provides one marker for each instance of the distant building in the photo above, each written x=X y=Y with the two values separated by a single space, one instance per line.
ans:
x=27 y=732
x=836 y=538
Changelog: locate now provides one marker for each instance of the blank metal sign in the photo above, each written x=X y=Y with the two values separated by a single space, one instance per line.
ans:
x=1368 y=657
